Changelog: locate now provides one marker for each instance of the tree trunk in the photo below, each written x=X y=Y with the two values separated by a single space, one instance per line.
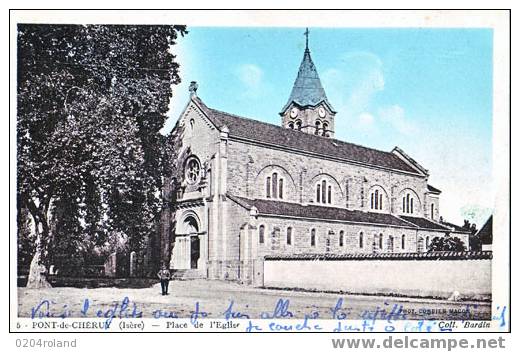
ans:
x=37 y=271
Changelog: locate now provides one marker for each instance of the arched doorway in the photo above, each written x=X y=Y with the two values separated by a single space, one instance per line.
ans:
x=187 y=243
x=191 y=226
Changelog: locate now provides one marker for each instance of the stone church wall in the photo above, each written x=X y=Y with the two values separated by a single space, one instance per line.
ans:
x=248 y=166
x=327 y=237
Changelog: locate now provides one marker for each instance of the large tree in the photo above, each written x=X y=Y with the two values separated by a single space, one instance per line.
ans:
x=91 y=102
x=446 y=243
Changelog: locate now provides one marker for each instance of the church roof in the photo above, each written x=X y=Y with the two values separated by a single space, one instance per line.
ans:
x=307 y=89
x=424 y=223
x=262 y=132
x=454 y=227
x=432 y=189
x=486 y=232
x=270 y=207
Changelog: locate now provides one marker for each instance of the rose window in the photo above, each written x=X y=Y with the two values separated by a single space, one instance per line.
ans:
x=192 y=171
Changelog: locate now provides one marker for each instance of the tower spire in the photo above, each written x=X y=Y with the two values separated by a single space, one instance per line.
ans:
x=308 y=109
x=306 y=33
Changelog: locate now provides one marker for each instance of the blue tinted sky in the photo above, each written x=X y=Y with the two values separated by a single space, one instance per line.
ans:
x=428 y=91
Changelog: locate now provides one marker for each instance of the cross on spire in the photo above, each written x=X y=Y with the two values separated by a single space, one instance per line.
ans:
x=306 y=33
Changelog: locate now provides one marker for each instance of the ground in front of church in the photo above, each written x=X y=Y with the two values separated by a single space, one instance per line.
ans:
x=216 y=297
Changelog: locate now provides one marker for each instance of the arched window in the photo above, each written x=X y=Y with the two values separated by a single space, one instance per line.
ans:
x=313 y=237
x=261 y=234
x=390 y=243
x=341 y=238
x=291 y=125
x=274 y=186
x=420 y=245
x=318 y=125
x=323 y=192
x=403 y=239
x=361 y=240
x=432 y=209
x=289 y=236
x=298 y=125
x=376 y=200
x=408 y=204
x=325 y=129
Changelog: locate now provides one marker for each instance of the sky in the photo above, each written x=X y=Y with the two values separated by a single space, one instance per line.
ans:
x=428 y=91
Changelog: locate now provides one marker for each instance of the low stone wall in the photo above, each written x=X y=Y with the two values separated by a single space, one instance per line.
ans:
x=409 y=274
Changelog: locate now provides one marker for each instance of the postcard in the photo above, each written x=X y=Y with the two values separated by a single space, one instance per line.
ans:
x=260 y=171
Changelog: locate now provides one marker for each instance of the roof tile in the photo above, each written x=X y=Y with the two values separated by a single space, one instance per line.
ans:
x=262 y=132
x=270 y=207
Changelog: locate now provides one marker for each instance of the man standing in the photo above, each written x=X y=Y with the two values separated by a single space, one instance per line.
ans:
x=164 y=276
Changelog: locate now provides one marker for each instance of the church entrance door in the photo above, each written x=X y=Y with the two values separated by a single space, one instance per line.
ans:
x=195 y=252
x=186 y=248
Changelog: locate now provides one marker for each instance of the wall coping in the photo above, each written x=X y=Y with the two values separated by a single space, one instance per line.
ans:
x=471 y=255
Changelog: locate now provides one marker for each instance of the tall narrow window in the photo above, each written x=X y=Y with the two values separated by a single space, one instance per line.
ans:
x=380 y=241
x=275 y=185
x=361 y=240
x=261 y=234
x=341 y=238
x=427 y=243
x=420 y=245
x=329 y=194
x=268 y=187
x=407 y=203
x=403 y=238
x=325 y=129
x=313 y=237
x=390 y=244
x=404 y=207
x=317 y=124
x=411 y=205
x=376 y=200
x=432 y=208
x=280 y=188
x=289 y=236
x=323 y=191
x=299 y=125
x=318 y=193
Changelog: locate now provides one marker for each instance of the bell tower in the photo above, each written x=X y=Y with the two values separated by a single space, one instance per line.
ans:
x=308 y=109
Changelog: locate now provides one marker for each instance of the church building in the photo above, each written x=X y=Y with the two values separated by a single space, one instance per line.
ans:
x=251 y=189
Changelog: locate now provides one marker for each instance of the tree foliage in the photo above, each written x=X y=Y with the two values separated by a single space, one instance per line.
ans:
x=91 y=102
x=446 y=243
